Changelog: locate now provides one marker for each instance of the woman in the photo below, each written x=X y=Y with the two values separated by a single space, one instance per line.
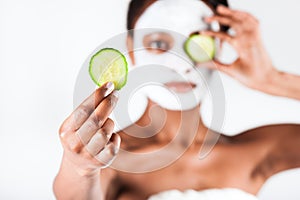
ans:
x=245 y=161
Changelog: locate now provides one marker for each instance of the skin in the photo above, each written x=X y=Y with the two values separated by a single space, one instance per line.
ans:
x=254 y=67
x=245 y=161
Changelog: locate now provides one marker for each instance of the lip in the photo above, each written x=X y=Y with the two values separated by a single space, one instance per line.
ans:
x=180 y=87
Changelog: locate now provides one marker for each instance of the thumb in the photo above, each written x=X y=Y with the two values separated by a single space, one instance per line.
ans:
x=208 y=65
x=215 y=65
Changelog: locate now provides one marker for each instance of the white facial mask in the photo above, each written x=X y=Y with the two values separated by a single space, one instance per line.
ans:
x=182 y=16
x=178 y=18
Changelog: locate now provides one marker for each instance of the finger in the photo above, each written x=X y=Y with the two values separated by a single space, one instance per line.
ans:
x=225 y=11
x=97 y=118
x=109 y=152
x=229 y=69
x=223 y=67
x=81 y=114
x=222 y=20
x=234 y=14
x=208 y=65
x=73 y=143
x=100 y=138
x=221 y=35
x=216 y=65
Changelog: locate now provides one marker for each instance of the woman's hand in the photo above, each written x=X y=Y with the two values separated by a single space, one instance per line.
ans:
x=87 y=134
x=253 y=67
x=89 y=145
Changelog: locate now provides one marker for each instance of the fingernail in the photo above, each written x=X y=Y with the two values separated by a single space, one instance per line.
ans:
x=220 y=8
x=116 y=93
x=109 y=88
x=109 y=85
x=116 y=150
x=63 y=134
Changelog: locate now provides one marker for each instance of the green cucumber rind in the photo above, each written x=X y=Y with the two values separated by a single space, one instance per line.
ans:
x=188 y=53
x=119 y=86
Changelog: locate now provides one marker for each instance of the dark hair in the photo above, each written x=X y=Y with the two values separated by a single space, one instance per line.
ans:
x=137 y=8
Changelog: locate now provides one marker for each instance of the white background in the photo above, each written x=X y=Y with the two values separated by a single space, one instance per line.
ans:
x=42 y=47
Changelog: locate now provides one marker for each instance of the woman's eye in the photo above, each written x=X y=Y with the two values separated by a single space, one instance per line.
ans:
x=158 y=42
x=159 y=45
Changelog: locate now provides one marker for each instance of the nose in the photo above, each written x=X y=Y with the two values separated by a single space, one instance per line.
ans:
x=181 y=71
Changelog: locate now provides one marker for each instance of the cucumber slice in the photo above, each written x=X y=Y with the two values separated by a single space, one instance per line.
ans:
x=200 y=48
x=109 y=64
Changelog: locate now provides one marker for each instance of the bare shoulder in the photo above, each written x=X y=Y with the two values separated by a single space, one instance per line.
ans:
x=115 y=188
x=283 y=141
x=110 y=183
x=273 y=132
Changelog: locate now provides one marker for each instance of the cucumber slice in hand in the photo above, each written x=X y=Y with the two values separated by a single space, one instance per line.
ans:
x=109 y=64
x=200 y=48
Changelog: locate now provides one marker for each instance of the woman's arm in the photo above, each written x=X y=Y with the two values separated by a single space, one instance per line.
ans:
x=253 y=67
x=89 y=146
x=284 y=154
x=69 y=184
x=283 y=84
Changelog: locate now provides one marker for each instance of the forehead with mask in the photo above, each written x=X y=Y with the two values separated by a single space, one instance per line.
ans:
x=180 y=16
x=161 y=27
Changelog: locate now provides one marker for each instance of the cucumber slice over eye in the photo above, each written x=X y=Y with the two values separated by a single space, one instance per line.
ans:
x=109 y=64
x=200 y=48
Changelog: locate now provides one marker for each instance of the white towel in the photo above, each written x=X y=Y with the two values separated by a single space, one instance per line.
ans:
x=211 y=194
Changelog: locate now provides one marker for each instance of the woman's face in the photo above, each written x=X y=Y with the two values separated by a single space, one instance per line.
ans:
x=162 y=30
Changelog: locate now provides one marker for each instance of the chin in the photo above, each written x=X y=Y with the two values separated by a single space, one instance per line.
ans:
x=175 y=100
